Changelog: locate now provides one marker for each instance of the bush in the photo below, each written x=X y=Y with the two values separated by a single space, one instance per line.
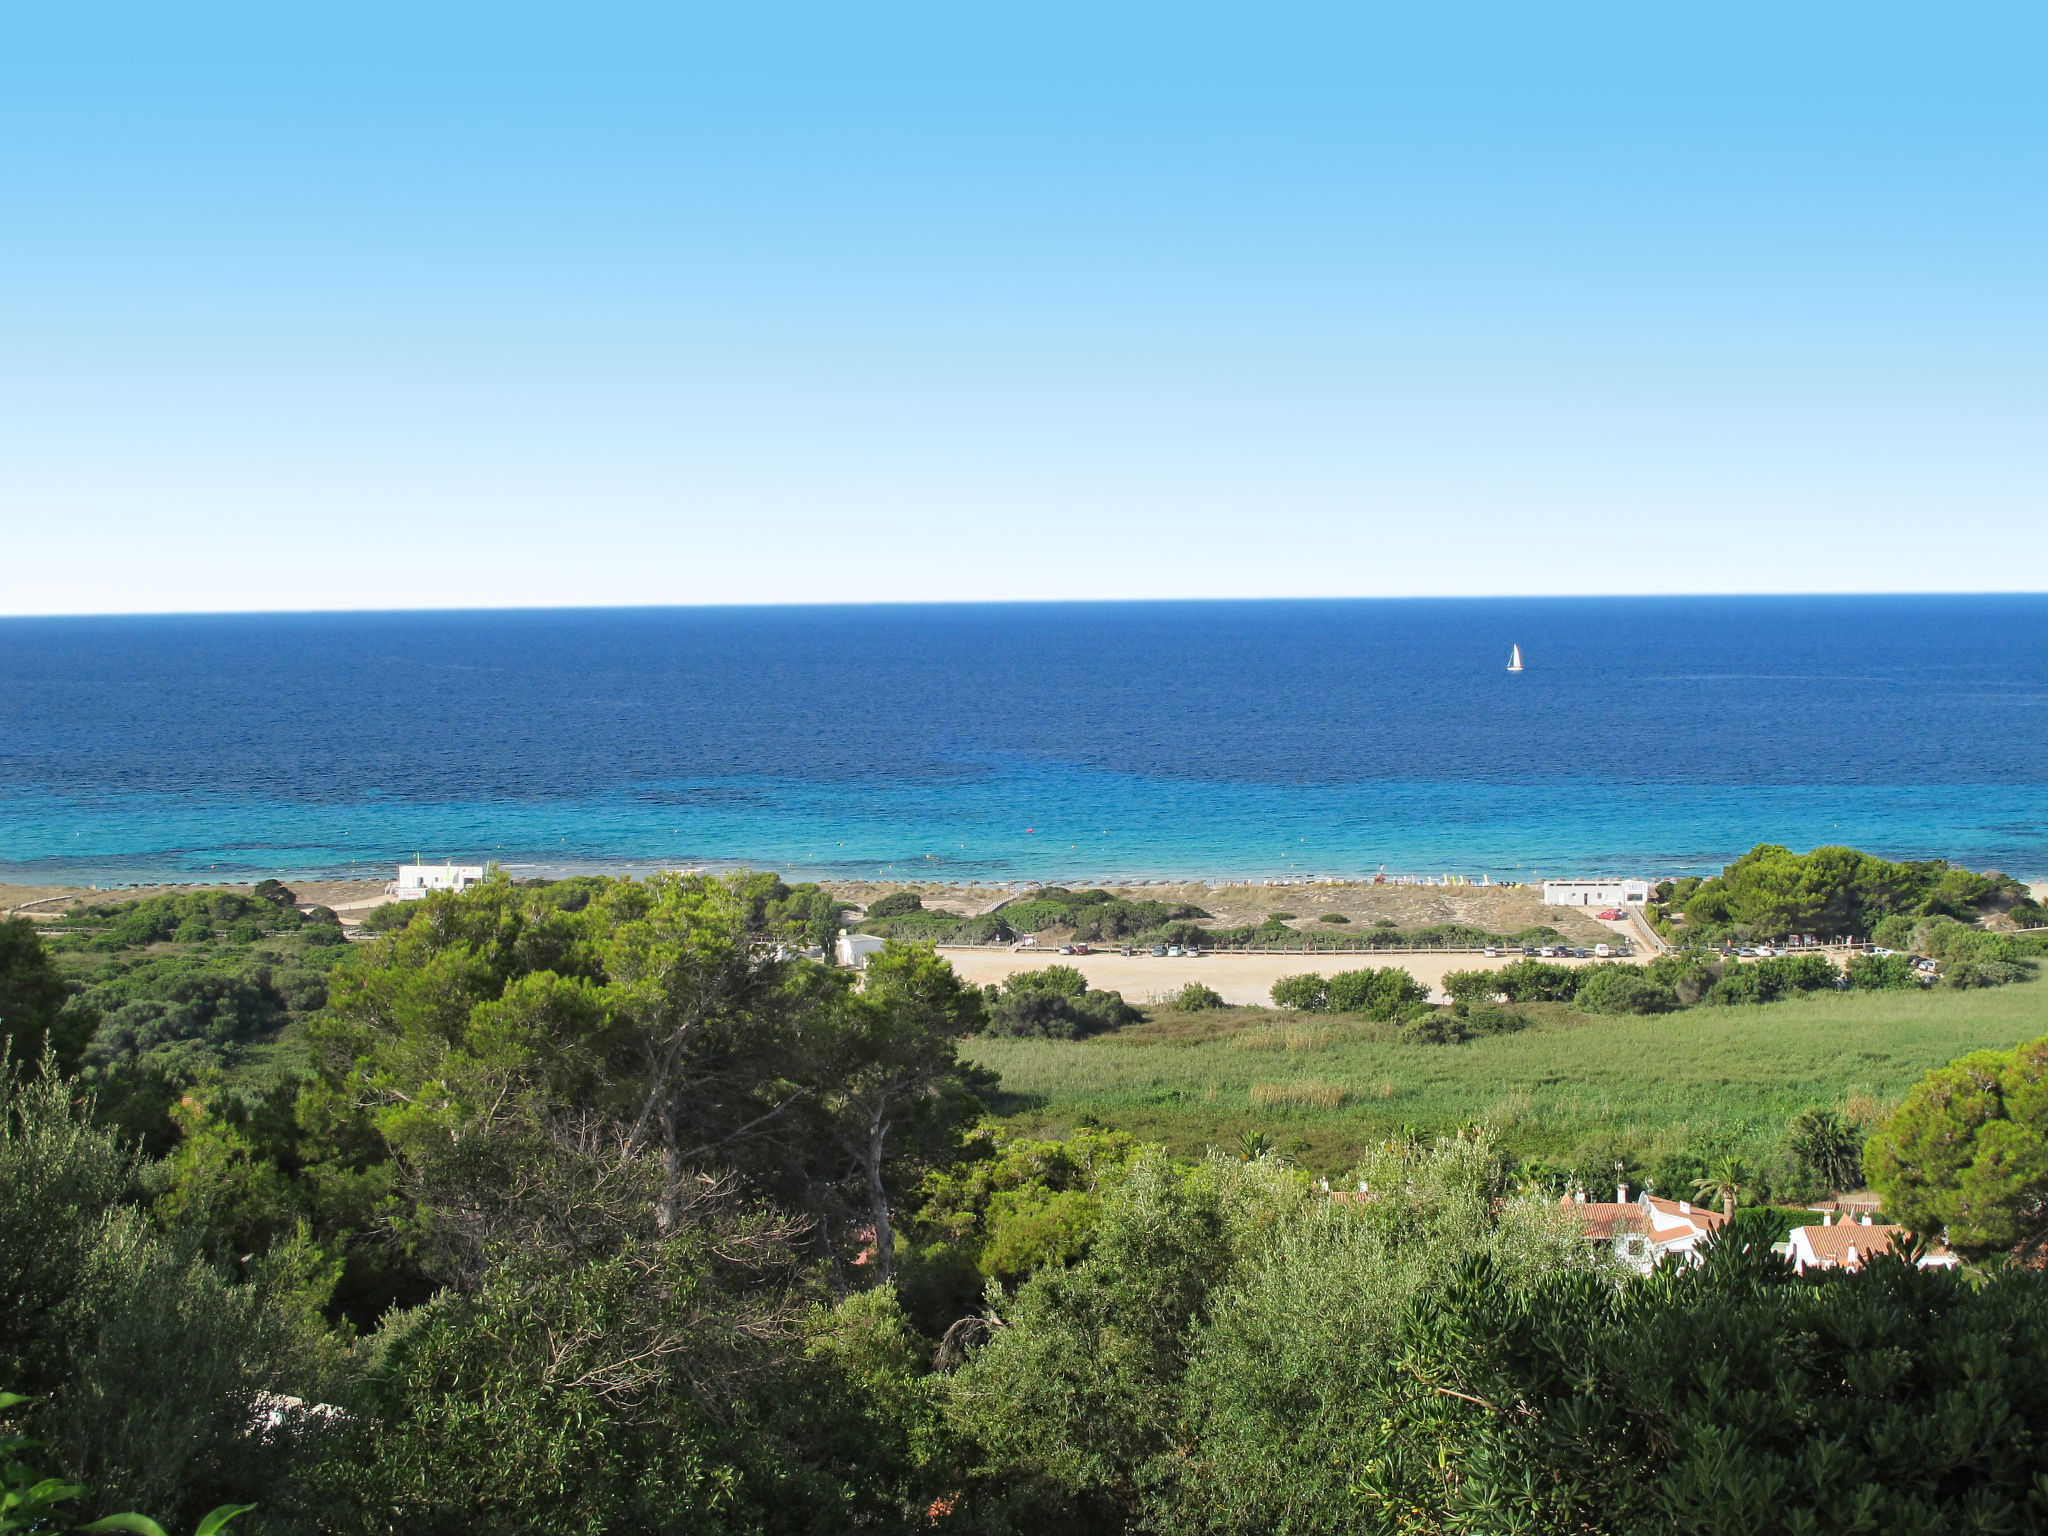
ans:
x=390 y=916
x=1304 y=992
x=32 y=999
x=1538 y=981
x=1768 y=980
x=1378 y=994
x=1623 y=989
x=1877 y=973
x=1055 y=1004
x=895 y=904
x=1492 y=1019
x=1333 y=917
x=154 y=1361
x=1194 y=997
x=1472 y=986
x=1989 y=973
x=1060 y=980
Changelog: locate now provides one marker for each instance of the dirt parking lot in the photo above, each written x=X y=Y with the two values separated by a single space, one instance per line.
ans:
x=1146 y=978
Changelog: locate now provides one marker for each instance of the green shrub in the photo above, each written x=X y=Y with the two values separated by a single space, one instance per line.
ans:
x=1492 y=1019
x=1194 y=997
x=1538 y=981
x=33 y=1013
x=895 y=904
x=1989 y=973
x=152 y=1360
x=1772 y=978
x=1061 y=980
x=1472 y=986
x=1872 y=973
x=390 y=916
x=1304 y=992
x=1378 y=994
x=1333 y=917
x=1622 y=989
x=1055 y=1003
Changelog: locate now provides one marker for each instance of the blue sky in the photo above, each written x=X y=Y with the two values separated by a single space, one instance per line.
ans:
x=452 y=306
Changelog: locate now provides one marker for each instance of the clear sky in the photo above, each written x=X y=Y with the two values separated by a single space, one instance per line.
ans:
x=444 y=306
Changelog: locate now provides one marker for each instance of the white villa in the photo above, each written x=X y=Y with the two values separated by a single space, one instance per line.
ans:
x=417 y=880
x=1595 y=893
x=1646 y=1229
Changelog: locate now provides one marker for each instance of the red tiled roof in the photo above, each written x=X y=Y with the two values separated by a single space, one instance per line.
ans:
x=1831 y=1245
x=1603 y=1222
x=1699 y=1215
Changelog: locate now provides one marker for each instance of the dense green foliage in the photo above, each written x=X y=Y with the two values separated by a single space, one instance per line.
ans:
x=1095 y=917
x=1055 y=1003
x=32 y=1001
x=152 y=1362
x=1771 y=892
x=1968 y=1151
x=1385 y=994
x=159 y=995
x=895 y=904
x=592 y=1208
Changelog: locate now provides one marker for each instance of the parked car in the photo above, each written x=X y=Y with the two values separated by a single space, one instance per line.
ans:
x=1602 y=951
x=1609 y=916
x=1173 y=951
x=1080 y=949
x=1529 y=949
x=1548 y=951
x=1493 y=952
x=1066 y=949
x=1126 y=950
x=1579 y=952
x=1159 y=950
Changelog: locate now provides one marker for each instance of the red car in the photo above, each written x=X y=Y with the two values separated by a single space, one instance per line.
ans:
x=1609 y=916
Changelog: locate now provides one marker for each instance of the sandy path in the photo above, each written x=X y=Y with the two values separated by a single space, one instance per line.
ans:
x=1146 y=978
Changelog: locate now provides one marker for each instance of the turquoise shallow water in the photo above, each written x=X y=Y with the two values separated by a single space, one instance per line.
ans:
x=1041 y=741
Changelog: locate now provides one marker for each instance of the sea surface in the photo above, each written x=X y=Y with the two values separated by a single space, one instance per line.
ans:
x=1036 y=741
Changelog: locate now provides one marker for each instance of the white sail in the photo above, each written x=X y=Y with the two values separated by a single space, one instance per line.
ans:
x=1515 y=661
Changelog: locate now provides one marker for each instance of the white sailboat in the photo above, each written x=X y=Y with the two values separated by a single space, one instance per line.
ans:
x=1515 y=660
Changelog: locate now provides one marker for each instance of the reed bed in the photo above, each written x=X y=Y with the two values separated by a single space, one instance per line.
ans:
x=1299 y=1093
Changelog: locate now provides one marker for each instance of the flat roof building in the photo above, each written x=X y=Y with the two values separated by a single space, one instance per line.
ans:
x=415 y=881
x=1595 y=893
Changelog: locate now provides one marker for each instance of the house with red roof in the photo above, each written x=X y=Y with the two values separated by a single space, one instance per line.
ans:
x=1851 y=1244
x=1643 y=1231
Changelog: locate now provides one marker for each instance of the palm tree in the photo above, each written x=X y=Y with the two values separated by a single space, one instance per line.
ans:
x=1727 y=1179
x=1253 y=1145
x=1829 y=1147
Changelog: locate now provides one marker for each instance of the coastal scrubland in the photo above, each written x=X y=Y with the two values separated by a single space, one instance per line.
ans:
x=1571 y=1089
x=594 y=1205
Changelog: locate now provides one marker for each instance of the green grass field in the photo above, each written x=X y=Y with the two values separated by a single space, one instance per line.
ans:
x=1323 y=1087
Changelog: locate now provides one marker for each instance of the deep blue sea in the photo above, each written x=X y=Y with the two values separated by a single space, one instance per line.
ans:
x=995 y=742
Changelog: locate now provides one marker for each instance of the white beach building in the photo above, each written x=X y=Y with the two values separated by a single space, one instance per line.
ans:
x=1595 y=893
x=417 y=880
x=853 y=949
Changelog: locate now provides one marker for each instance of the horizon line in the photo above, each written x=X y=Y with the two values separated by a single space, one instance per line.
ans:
x=1016 y=602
